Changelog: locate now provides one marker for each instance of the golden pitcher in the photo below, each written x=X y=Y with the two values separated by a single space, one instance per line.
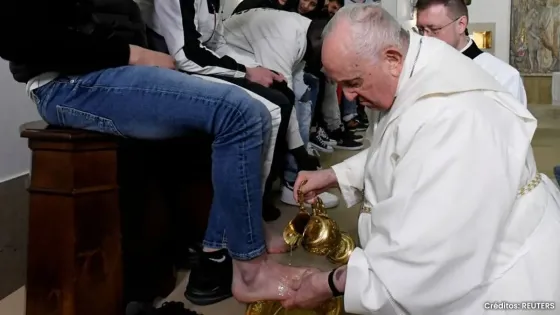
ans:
x=321 y=235
x=295 y=229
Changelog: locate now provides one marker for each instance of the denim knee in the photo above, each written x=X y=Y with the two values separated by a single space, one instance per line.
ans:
x=245 y=116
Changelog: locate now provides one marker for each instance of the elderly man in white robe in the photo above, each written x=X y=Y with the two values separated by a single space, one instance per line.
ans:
x=455 y=215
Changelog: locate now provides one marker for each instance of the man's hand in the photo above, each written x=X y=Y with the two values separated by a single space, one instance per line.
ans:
x=144 y=57
x=316 y=183
x=312 y=293
x=263 y=76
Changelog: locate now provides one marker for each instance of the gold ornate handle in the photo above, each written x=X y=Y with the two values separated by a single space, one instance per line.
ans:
x=319 y=207
x=301 y=197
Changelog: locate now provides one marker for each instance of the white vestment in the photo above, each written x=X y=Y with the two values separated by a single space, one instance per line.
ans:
x=444 y=228
x=505 y=74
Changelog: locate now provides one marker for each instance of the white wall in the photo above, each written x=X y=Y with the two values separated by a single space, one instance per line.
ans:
x=15 y=109
x=498 y=12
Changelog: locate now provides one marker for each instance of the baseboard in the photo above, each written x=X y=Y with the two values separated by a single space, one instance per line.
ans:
x=14 y=214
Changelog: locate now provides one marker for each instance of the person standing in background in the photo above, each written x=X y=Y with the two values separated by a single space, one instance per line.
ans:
x=447 y=20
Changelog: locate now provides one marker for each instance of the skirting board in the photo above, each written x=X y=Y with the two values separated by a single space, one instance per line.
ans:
x=14 y=214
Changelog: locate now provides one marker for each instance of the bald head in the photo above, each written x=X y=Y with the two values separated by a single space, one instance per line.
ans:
x=367 y=28
x=364 y=49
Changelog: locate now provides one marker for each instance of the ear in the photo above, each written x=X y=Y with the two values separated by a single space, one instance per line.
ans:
x=394 y=60
x=462 y=24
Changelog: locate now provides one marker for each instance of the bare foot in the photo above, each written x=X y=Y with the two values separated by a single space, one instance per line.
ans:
x=275 y=243
x=264 y=280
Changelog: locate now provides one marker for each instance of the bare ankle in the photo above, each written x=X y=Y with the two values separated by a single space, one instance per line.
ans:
x=248 y=270
x=210 y=250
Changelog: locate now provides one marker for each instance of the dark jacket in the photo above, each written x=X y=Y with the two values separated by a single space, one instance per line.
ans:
x=68 y=36
x=253 y=4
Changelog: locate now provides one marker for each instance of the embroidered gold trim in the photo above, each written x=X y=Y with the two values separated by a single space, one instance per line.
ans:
x=530 y=185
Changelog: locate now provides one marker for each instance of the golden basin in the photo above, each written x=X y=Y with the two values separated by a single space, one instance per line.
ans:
x=341 y=254
x=331 y=307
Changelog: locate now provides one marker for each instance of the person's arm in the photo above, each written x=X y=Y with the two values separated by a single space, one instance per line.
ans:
x=30 y=35
x=517 y=89
x=453 y=186
x=350 y=177
x=178 y=24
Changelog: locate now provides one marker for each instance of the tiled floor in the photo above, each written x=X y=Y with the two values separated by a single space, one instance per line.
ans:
x=546 y=146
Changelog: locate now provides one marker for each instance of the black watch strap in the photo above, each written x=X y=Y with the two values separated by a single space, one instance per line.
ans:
x=334 y=290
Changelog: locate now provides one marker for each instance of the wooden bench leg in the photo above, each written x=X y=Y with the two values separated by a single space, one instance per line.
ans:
x=74 y=254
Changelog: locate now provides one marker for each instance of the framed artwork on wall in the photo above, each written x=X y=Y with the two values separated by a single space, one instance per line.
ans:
x=534 y=44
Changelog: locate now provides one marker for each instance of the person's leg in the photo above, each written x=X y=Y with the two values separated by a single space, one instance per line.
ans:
x=557 y=173
x=283 y=101
x=349 y=109
x=350 y=117
x=304 y=112
x=155 y=103
x=335 y=129
x=330 y=109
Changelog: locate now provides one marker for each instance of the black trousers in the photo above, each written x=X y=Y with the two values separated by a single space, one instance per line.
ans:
x=317 y=118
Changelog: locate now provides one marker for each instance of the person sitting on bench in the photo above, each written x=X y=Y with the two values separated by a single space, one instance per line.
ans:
x=86 y=68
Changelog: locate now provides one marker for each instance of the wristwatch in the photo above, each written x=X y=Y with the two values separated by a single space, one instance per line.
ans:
x=333 y=288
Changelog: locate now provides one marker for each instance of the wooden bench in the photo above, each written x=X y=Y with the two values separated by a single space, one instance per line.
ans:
x=109 y=217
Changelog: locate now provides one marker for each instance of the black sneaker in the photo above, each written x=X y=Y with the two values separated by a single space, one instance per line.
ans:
x=210 y=281
x=354 y=124
x=319 y=144
x=351 y=135
x=270 y=212
x=345 y=140
x=321 y=133
x=187 y=259
x=168 y=308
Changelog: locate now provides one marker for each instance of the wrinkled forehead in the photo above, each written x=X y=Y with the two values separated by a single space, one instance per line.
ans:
x=338 y=58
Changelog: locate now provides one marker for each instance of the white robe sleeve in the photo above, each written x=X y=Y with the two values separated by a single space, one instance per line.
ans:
x=454 y=185
x=350 y=177
x=516 y=88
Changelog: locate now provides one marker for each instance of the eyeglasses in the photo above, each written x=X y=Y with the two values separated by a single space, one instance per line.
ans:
x=434 y=30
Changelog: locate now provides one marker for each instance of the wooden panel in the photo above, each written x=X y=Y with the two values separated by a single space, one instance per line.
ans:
x=538 y=88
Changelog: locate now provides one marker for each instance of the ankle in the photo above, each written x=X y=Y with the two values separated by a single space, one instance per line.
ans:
x=210 y=250
x=248 y=270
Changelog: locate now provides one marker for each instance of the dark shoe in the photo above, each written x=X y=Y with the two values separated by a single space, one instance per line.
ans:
x=186 y=260
x=320 y=144
x=269 y=212
x=345 y=140
x=351 y=135
x=168 y=308
x=210 y=281
x=355 y=124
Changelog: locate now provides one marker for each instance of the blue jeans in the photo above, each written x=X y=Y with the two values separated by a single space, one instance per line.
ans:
x=304 y=113
x=349 y=108
x=156 y=103
x=557 y=173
